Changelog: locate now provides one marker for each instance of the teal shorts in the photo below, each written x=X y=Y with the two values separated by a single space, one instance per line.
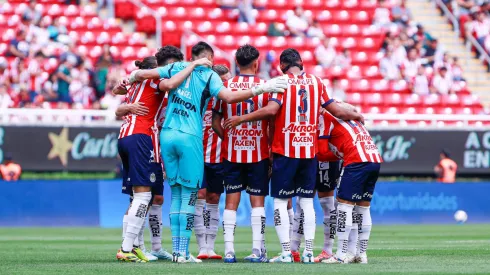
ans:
x=183 y=158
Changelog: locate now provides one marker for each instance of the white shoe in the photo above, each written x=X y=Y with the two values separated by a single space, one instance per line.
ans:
x=150 y=256
x=190 y=259
x=162 y=254
x=349 y=259
x=308 y=258
x=332 y=260
x=282 y=259
x=362 y=259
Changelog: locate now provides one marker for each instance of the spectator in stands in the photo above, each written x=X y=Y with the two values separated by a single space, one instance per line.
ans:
x=336 y=91
x=442 y=82
x=419 y=84
x=4 y=71
x=481 y=27
x=50 y=88
x=456 y=71
x=18 y=46
x=325 y=53
x=388 y=67
x=64 y=80
x=430 y=52
x=23 y=99
x=246 y=11
x=315 y=30
x=34 y=69
x=446 y=168
x=102 y=69
x=297 y=22
x=56 y=30
x=267 y=69
x=463 y=7
x=401 y=15
x=410 y=65
x=275 y=29
x=5 y=99
x=381 y=17
x=33 y=12
x=110 y=101
x=344 y=59
x=399 y=51
x=421 y=35
x=80 y=90
x=9 y=170
x=388 y=41
x=445 y=62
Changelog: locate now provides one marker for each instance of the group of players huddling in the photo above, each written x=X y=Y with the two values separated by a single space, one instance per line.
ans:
x=286 y=131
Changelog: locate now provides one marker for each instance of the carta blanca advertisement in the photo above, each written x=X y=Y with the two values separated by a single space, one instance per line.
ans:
x=95 y=149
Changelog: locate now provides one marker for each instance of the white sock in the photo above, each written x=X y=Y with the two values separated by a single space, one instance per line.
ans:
x=298 y=230
x=140 y=240
x=258 y=229
x=344 y=226
x=212 y=229
x=365 y=225
x=155 y=225
x=353 y=236
x=309 y=223
x=125 y=225
x=281 y=222
x=229 y=225
x=291 y=219
x=136 y=219
x=329 y=223
x=199 y=228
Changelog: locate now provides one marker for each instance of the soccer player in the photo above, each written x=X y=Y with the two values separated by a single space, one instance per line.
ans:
x=294 y=147
x=351 y=141
x=181 y=135
x=206 y=220
x=246 y=156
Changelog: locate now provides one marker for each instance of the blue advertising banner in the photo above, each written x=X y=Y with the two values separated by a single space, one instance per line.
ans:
x=100 y=203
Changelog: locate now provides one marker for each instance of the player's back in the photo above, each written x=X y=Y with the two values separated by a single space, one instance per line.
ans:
x=145 y=92
x=295 y=133
x=188 y=102
x=324 y=152
x=351 y=141
x=211 y=141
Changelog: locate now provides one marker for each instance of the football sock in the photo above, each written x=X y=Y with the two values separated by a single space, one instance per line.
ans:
x=365 y=225
x=229 y=225
x=125 y=225
x=186 y=218
x=258 y=228
x=281 y=223
x=199 y=228
x=329 y=222
x=344 y=226
x=175 y=203
x=155 y=224
x=136 y=219
x=353 y=236
x=298 y=231
x=140 y=240
x=309 y=225
x=291 y=219
x=212 y=228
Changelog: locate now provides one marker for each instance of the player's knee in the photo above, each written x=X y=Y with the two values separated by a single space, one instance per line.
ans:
x=158 y=200
x=364 y=203
x=232 y=201
x=212 y=198
x=201 y=194
x=257 y=201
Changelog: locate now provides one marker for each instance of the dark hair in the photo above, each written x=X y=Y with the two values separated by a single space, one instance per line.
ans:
x=446 y=153
x=246 y=54
x=149 y=62
x=221 y=69
x=166 y=53
x=39 y=54
x=290 y=58
x=200 y=47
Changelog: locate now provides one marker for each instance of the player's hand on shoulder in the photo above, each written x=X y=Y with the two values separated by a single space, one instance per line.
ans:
x=232 y=122
x=139 y=109
x=275 y=85
x=202 y=62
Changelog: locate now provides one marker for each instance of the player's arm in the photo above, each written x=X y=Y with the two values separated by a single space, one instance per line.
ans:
x=343 y=113
x=120 y=88
x=216 y=124
x=263 y=113
x=275 y=85
x=137 y=108
x=174 y=81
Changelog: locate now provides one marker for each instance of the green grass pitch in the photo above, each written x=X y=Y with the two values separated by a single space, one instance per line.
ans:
x=435 y=249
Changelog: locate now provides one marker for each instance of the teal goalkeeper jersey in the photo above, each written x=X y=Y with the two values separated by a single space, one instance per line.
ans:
x=187 y=103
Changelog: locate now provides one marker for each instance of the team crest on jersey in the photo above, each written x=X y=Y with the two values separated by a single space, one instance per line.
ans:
x=153 y=177
x=208 y=118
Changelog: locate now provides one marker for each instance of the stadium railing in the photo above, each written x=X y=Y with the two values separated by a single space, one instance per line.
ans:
x=105 y=118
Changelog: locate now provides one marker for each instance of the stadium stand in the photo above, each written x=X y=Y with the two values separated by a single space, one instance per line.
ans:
x=359 y=34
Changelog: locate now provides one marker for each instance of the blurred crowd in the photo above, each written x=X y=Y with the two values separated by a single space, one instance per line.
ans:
x=48 y=71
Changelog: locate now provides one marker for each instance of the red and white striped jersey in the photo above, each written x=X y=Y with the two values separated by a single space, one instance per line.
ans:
x=324 y=153
x=295 y=133
x=350 y=141
x=158 y=122
x=146 y=92
x=248 y=142
x=211 y=141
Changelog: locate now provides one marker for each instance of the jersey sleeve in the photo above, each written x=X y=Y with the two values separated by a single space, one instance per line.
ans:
x=277 y=97
x=166 y=71
x=325 y=100
x=215 y=84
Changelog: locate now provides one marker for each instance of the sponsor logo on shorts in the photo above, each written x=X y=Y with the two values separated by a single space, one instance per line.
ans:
x=153 y=178
x=277 y=217
x=141 y=212
x=255 y=191
x=233 y=187
x=152 y=157
x=304 y=191
x=283 y=192
x=356 y=197
x=367 y=195
x=190 y=221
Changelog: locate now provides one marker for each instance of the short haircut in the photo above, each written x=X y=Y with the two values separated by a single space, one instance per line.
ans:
x=200 y=47
x=149 y=62
x=246 y=54
x=290 y=58
x=168 y=52
x=221 y=69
